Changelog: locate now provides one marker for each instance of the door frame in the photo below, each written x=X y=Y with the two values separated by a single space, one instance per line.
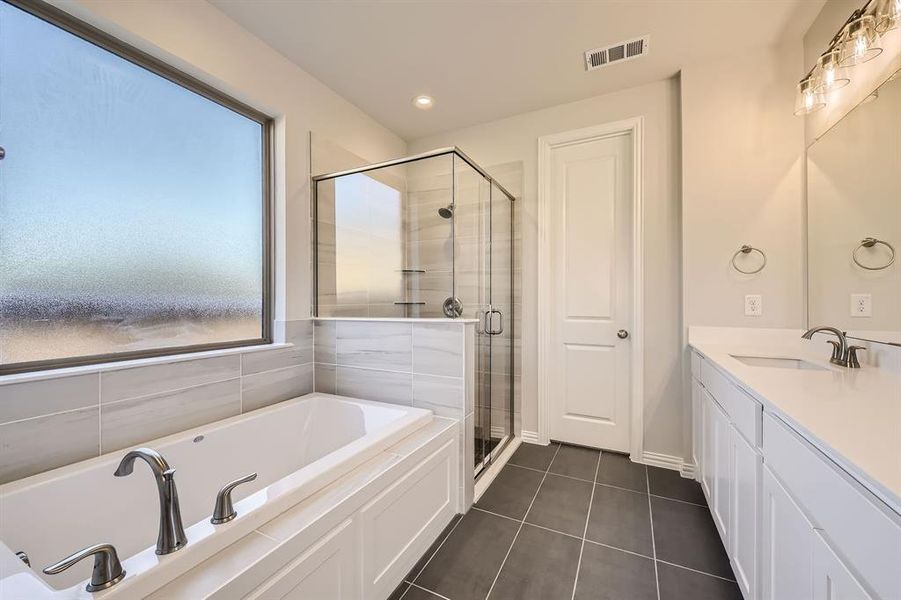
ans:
x=547 y=143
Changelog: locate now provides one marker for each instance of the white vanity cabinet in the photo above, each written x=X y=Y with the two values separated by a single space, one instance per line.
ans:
x=795 y=525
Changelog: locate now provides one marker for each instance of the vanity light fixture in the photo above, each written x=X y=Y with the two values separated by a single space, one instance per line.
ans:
x=830 y=75
x=423 y=102
x=856 y=42
x=808 y=100
x=861 y=41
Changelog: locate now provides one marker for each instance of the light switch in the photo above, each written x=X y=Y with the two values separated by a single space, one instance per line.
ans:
x=861 y=305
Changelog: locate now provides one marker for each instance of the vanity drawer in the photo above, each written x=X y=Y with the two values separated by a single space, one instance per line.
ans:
x=744 y=412
x=696 y=360
x=866 y=533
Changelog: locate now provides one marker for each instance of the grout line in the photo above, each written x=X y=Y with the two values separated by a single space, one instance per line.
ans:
x=171 y=392
x=413 y=585
x=515 y=537
x=53 y=414
x=653 y=540
x=99 y=415
x=415 y=577
x=590 y=541
x=666 y=562
x=585 y=530
x=677 y=500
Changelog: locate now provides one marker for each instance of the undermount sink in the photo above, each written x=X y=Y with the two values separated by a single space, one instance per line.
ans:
x=774 y=362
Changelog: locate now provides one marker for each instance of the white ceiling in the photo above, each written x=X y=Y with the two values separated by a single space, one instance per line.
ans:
x=489 y=59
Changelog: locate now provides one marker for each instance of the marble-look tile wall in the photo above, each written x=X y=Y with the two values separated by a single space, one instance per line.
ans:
x=48 y=422
x=426 y=364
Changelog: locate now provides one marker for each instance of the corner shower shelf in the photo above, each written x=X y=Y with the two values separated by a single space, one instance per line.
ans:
x=410 y=303
x=408 y=271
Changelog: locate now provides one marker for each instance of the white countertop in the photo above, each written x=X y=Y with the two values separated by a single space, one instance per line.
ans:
x=852 y=415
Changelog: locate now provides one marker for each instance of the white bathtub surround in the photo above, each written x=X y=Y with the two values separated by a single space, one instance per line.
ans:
x=53 y=418
x=425 y=363
x=312 y=454
x=800 y=467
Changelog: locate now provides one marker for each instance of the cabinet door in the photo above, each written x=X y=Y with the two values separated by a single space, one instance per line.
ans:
x=707 y=454
x=697 y=436
x=831 y=578
x=722 y=469
x=329 y=569
x=745 y=492
x=787 y=539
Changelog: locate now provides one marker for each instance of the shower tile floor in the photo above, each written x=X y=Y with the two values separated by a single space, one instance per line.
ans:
x=562 y=522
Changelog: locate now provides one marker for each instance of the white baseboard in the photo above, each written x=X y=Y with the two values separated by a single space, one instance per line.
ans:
x=530 y=437
x=667 y=461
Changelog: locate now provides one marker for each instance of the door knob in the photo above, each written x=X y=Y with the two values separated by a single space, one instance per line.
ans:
x=622 y=334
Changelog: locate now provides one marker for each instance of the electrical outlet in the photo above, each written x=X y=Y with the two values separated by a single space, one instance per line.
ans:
x=861 y=305
x=753 y=305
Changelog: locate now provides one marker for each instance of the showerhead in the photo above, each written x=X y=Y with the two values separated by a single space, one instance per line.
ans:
x=446 y=212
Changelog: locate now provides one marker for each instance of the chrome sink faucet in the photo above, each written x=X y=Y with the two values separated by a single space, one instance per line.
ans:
x=172 y=533
x=843 y=355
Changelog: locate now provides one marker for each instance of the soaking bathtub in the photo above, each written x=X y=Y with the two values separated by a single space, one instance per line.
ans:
x=296 y=447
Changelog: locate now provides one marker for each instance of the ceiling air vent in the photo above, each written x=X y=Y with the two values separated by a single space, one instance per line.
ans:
x=608 y=55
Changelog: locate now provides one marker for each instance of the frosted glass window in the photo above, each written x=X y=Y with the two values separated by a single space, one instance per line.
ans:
x=131 y=208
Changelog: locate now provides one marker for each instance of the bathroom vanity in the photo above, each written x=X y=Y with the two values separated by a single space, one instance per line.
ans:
x=800 y=462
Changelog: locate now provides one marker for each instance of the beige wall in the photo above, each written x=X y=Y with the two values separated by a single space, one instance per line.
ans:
x=742 y=183
x=201 y=40
x=515 y=139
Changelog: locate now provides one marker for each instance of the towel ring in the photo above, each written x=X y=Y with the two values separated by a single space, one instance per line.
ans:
x=746 y=249
x=869 y=243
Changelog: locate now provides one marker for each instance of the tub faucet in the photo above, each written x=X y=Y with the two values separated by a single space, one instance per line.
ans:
x=841 y=354
x=172 y=533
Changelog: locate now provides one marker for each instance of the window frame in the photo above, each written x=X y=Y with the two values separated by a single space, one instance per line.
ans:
x=105 y=41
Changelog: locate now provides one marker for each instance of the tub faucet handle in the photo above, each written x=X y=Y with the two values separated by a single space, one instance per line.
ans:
x=225 y=509
x=107 y=568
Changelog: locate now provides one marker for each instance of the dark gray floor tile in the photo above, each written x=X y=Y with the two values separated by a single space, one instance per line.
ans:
x=428 y=554
x=399 y=591
x=574 y=461
x=415 y=593
x=671 y=484
x=621 y=518
x=534 y=456
x=608 y=574
x=681 y=584
x=561 y=504
x=541 y=565
x=466 y=565
x=685 y=535
x=511 y=492
x=618 y=470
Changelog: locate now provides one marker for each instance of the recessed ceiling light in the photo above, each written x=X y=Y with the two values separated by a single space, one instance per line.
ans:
x=423 y=102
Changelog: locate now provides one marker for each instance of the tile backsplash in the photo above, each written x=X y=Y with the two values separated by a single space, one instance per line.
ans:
x=50 y=422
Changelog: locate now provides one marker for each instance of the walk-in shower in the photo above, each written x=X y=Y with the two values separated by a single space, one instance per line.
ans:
x=427 y=236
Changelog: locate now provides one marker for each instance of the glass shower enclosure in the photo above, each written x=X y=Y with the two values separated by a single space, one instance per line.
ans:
x=427 y=236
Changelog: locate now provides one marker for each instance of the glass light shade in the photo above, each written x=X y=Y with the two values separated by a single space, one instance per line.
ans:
x=808 y=99
x=888 y=15
x=830 y=74
x=860 y=42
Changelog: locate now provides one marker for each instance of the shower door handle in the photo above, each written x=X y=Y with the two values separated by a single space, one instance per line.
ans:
x=489 y=321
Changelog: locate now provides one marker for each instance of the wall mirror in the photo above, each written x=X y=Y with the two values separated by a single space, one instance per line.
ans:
x=854 y=220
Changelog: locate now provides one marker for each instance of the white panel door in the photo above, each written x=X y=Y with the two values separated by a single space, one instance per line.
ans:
x=591 y=229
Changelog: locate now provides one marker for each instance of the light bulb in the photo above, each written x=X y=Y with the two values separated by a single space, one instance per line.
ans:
x=808 y=98
x=860 y=47
x=423 y=102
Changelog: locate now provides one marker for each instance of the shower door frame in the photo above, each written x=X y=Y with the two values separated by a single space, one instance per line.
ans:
x=490 y=456
x=314 y=203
